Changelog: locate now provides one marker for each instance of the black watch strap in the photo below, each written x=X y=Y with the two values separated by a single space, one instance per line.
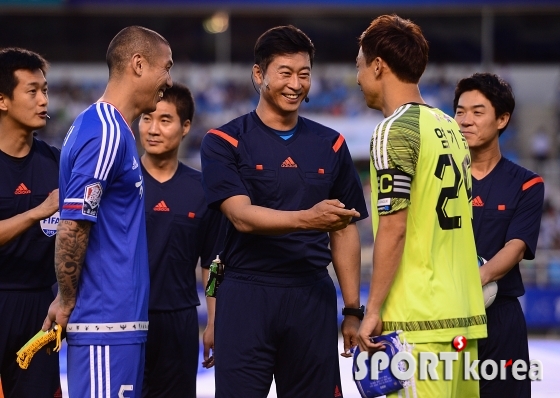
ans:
x=357 y=312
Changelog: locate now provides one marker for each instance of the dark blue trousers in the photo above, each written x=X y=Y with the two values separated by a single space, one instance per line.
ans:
x=22 y=314
x=507 y=339
x=171 y=354
x=283 y=327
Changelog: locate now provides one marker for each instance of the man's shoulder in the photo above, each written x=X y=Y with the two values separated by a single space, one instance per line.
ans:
x=319 y=129
x=513 y=171
x=46 y=150
x=187 y=173
x=238 y=126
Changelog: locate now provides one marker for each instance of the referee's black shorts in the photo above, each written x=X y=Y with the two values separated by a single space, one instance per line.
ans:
x=171 y=354
x=22 y=314
x=283 y=327
x=507 y=339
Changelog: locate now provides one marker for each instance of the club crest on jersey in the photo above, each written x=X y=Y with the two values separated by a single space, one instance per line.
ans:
x=92 y=197
x=49 y=224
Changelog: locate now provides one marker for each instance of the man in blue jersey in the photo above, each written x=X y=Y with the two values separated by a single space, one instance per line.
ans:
x=507 y=209
x=28 y=221
x=181 y=230
x=101 y=258
x=289 y=188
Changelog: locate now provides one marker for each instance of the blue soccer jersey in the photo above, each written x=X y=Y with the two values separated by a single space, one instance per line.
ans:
x=507 y=204
x=101 y=182
x=245 y=157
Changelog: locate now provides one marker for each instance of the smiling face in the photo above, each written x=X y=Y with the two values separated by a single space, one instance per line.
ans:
x=161 y=131
x=477 y=120
x=157 y=77
x=28 y=105
x=285 y=83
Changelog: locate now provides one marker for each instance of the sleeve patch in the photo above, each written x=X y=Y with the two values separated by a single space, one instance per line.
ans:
x=92 y=197
x=393 y=183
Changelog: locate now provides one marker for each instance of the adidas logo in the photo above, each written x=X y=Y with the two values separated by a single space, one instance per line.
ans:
x=22 y=190
x=477 y=202
x=161 y=206
x=337 y=392
x=289 y=163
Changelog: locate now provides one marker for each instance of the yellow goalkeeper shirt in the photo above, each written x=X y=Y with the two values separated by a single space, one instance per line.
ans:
x=421 y=161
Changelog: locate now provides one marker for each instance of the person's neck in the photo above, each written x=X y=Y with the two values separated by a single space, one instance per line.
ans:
x=119 y=95
x=15 y=140
x=277 y=121
x=397 y=93
x=483 y=160
x=161 y=168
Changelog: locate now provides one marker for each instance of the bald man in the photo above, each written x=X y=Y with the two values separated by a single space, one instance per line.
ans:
x=101 y=258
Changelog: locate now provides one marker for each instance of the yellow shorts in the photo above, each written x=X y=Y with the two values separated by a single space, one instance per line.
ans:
x=457 y=387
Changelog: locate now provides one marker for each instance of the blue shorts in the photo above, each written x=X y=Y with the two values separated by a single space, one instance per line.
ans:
x=283 y=327
x=105 y=371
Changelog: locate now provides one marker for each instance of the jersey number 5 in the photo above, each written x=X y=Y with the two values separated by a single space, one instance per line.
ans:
x=447 y=193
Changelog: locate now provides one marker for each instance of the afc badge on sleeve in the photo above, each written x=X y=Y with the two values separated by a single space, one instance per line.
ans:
x=92 y=197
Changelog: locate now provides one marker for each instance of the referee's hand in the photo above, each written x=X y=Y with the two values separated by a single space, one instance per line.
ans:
x=329 y=215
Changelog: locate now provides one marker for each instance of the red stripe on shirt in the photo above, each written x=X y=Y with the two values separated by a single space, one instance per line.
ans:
x=226 y=137
x=77 y=207
x=531 y=182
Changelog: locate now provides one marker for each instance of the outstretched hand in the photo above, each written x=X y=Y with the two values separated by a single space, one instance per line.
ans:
x=330 y=215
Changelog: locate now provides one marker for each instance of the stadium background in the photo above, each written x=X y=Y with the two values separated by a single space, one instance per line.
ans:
x=212 y=43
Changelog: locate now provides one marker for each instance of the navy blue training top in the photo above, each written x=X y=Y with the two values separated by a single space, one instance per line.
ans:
x=27 y=262
x=245 y=157
x=507 y=204
x=180 y=229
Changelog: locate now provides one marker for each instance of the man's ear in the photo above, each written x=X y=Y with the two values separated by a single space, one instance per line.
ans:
x=186 y=128
x=137 y=62
x=503 y=120
x=258 y=75
x=3 y=102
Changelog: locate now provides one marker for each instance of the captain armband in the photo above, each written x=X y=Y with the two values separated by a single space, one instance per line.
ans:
x=392 y=184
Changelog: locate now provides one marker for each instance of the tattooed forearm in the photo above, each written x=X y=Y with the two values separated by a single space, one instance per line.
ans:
x=70 y=250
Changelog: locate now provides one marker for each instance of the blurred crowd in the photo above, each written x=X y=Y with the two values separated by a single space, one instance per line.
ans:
x=221 y=95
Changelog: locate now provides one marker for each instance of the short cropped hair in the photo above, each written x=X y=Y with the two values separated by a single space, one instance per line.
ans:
x=181 y=97
x=282 y=40
x=494 y=88
x=131 y=40
x=400 y=43
x=13 y=59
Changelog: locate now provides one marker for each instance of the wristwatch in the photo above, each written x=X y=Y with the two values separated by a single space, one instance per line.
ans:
x=357 y=312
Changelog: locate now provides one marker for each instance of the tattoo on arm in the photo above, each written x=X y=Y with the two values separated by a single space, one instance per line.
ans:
x=70 y=249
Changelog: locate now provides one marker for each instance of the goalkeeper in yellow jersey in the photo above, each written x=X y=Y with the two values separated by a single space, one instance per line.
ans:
x=425 y=278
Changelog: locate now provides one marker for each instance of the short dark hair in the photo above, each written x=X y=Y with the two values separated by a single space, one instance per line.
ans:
x=400 y=43
x=131 y=40
x=494 y=88
x=13 y=59
x=282 y=40
x=181 y=97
